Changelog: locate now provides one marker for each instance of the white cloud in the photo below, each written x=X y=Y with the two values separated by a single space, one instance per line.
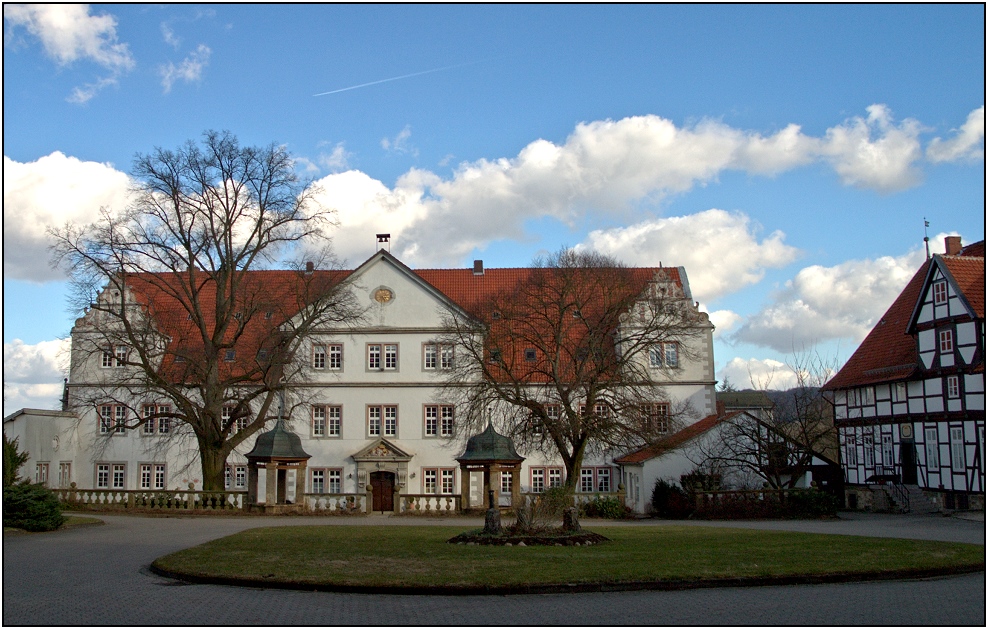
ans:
x=719 y=249
x=757 y=373
x=336 y=160
x=838 y=302
x=189 y=70
x=400 y=143
x=169 y=36
x=49 y=192
x=724 y=321
x=968 y=142
x=69 y=33
x=885 y=163
x=32 y=374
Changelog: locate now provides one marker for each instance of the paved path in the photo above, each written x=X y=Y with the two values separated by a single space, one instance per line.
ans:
x=98 y=575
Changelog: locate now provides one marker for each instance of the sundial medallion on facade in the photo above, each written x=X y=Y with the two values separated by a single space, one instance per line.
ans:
x=383 y=295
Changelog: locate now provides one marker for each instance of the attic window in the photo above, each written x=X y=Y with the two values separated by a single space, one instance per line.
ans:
x=262 y=354
x=188 y=317
x=495 y=355
x=238 y=316
x=496 y=315
x=530 y=355
x=268 y=314
x=230 y=355
x=577 y=314
x=180 y=359
x=940 y=292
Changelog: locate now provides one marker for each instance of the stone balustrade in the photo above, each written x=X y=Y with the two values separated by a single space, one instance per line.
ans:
x=171 y=500
x=342 y=504
x=425 y=504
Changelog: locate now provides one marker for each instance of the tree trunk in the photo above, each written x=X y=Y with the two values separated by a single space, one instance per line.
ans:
x=213 y=467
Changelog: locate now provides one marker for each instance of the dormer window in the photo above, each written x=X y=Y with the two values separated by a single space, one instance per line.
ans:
x=940 y=292
x=230 y=355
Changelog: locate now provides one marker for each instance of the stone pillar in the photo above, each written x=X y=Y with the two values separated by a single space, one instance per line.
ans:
x=496 y=484
x=282 y=485
x=464 y=487
x=487 y=485
x=396 y=500
x=369 y=507
x=271 y=484
x=252 y=483
x=300 y=485
x=516 y=487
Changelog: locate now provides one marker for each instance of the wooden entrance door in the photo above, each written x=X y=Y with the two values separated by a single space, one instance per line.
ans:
x=383 y=487
x=907 y=454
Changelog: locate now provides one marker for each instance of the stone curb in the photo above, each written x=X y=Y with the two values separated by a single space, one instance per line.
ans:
x=575 y=588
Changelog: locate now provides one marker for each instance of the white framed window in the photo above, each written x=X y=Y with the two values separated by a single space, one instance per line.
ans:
x=555 y=476
x=318 y=356
x=111 y=475
x=932 y=450
x=429 y=480
x=957 y=448
x=656 y=416
x=953 y=387
x=887 y=459
x=335 y=356
x=102 y=476
x=318 y=421
x=603 y=479
x=940 y=292
x=430 y=356
x=538 y=479
x=390 y=357
x=869 y=450
x=439 y=420
x=374 y=356
x=446 y=480
x=318 y=481
x=153 y=422
x=64 y=474
x=240 y=476
x=41 y=473
x=152 y=476
x=438 y=480
x=851 y=451
x=664 y=355
x=506 y=477
x=326 y=421
x=115 y=356
x=946 y=341
x=586 y=479
x=382 y=420
x=112 y=419
x=546 y=477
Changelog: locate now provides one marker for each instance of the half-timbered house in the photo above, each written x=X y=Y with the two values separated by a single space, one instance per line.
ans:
x=910 y=402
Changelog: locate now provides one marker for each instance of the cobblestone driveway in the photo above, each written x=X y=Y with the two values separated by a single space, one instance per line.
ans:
x=98 y=576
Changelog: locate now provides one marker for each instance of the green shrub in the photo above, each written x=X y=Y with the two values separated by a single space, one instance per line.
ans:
x=32 y=507
x=812 y=503
x=670 y=501
x=609 y=507
x=12 y=461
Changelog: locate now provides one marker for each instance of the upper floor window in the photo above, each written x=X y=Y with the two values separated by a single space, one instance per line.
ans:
x=946 y=341
x=656 y=416
x=940 y=292
x=664 y=355
x=382 y=421
x=153 y=420
x=114 y=356
x=956 y=448
x=953 y=387
x=437 y=356
x=438 y=420
x=326 y=421
x=382 y=356
x=327 y=356
x=112 y=418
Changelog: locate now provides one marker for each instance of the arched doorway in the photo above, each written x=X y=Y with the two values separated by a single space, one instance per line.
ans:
x=383 y=487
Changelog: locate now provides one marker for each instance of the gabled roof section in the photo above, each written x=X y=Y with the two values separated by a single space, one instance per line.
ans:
x=888 y=353
x=677 y=439
x=967 y=276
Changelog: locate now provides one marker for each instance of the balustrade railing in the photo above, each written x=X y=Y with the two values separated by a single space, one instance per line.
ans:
x=343 y=504
x=439 y=504
x=184 y=500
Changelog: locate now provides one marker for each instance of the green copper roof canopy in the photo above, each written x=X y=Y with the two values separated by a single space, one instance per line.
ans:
x=278 y=443
x=490 y=446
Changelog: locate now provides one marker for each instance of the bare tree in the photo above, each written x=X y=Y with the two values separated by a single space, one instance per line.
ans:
x=776 y=446
x=182 y=327
x=572 y=356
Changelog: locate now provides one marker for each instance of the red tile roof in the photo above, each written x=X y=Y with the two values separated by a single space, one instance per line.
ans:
x=676 y=439
x=888 y=353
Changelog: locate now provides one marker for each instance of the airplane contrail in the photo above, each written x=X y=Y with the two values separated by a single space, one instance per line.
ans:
x=395 y=78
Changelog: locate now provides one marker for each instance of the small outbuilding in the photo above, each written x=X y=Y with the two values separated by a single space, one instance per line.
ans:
x=277 y=451
x=493 y=454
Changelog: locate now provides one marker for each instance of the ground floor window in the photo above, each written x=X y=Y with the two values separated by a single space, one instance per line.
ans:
x=111 y=475
x=326 y=480
x=595 y=479
x=64 y=474
x=438 y=480
x=235 y=477
x=41 y=473
x=545 y=477
x=152 y=476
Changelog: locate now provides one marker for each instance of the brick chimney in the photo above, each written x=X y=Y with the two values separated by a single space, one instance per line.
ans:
x=953 y=245
x=478 y=267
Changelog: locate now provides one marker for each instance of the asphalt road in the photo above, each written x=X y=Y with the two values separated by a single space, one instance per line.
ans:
x=99 y=576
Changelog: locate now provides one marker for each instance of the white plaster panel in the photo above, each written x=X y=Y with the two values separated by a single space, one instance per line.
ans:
x=954 y=405
x=927 y=359
x=916 y=405
x=941 y=312
x=947 y=360
x=934 y=404
x=967 y=354
x=914 y=388
x=868 y=411
x=975 y=401
x=925 y=314
x=840 y=411
x=882 y=392
x=927 y=340
x=899 y=408
x=966 y=333
x=974 y=382
x=934 y=386
x=885 y=408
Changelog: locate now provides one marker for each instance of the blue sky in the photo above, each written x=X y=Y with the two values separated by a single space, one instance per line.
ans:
x=785 y=155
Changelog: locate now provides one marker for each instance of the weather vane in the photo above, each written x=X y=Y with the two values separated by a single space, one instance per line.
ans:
x=926 y=237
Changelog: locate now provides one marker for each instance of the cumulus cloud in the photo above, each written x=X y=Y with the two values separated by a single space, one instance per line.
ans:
x=32 y=374
x=724 y=321
x=400 y=143
x=837 y=302
x=967 y=144
x=49 y=192
x=189 y=69
x=69 y=33
x=720 y=250
x=758 y=373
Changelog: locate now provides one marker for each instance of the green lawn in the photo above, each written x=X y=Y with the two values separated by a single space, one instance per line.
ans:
x=417 y=556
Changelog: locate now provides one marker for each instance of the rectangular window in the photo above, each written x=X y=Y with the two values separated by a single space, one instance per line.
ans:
x=869 y=451
x=105 y=419
x=664 y=355
x=64 y=474
x=41 y=473
x=119 y=476
x=538 y=480
x=318 y=421
x=506 y=482
x=946 y=341
x=153 y=422
x=555 y=477
x=850 y=447
x=940 y=292
x=119 y=419
x=390 y=357
x=446 y=477
x=318 y=481
x=438 y=480
x=152 y=476
x=431 y=421
x=530 y=355
x=932 y=450
x=439 y=420
x=390 y=421
x=887 y=459
x=120 y=355
x=382 y=420
x=374 y=421
x=107 y=361
x=953 y=387
x=373 y=356
x=336 y=356
x=240 y=477
x=657 y=417
x=604 y=479
x=335 y=481
x=446 y=421
x=429 y=481
x=868 y=395
x=102 y=476
x=586 y=479
x=899 y=392
x=230 y=355
x=159 y=476
x=957 y=449
x=146 y=474
x=431 y=356
x=318 y=356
